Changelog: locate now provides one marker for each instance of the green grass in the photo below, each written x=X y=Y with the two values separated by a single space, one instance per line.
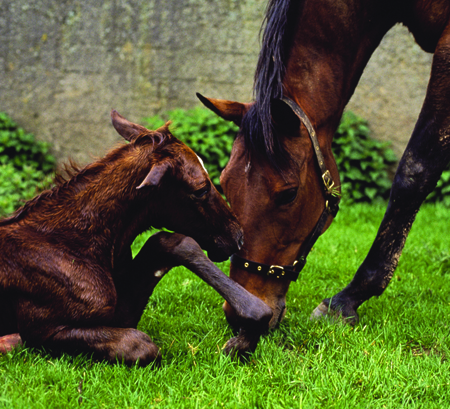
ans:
x=396 y=356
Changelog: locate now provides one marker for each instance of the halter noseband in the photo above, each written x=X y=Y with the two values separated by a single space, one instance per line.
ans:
x=292 y=272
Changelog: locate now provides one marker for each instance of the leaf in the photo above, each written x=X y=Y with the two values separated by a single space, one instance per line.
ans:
x=362 y=161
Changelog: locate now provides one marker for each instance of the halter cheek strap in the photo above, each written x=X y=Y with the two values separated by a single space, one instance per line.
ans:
x=291 y=273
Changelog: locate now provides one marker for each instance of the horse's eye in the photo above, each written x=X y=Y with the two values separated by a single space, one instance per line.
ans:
x=286 y=197
x=198 y=194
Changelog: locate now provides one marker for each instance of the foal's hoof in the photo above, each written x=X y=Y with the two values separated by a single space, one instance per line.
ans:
x=342 y=314
x=241 y=346
x=9 y=342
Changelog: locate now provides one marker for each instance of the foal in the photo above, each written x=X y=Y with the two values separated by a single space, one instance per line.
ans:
x=67 y=278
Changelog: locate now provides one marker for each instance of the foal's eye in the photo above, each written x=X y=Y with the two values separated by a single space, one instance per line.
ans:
x=286 y=197
x=198 y=194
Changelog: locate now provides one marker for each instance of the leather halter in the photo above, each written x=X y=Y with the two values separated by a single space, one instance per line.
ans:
x=292 y=272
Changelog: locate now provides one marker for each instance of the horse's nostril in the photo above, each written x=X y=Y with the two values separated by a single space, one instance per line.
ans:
x=282 y=313
x=240 y=242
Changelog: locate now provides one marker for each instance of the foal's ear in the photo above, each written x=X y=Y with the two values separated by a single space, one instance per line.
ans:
x=125 y=128
x=155 y=175
x=229 y=110
x=283 y=117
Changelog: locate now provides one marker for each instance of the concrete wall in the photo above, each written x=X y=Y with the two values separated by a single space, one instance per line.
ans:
x=64 y=64
x=392 y=89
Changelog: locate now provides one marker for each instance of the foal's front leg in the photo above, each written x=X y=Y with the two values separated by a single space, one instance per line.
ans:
x=166 y=250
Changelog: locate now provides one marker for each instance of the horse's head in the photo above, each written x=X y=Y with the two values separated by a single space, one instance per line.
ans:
x=279 y=207
x=174 y=183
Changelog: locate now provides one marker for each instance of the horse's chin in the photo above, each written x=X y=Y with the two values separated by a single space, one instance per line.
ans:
x=278 y=315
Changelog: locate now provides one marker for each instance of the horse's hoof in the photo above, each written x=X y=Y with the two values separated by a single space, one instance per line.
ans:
x=323 y=310
x=319 y=312
x=9 y=342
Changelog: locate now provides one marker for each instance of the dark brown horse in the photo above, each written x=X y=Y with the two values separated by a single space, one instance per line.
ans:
x=67 y=278
x=281 y=179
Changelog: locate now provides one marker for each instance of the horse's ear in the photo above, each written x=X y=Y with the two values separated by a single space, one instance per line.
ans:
x=125 y=128
x=229 y=110
x=283 y=117
x=155 y=175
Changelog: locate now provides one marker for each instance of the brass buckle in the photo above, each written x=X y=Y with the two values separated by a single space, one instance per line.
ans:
x=328 y=181
x=275 y=267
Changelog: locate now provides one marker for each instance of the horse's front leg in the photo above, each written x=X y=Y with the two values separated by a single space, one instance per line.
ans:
x=426 y=156
x=253 y=314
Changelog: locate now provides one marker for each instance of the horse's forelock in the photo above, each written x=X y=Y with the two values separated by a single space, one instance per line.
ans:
x=252 y=131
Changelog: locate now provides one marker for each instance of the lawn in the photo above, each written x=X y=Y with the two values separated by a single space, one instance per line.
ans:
x=396 y=356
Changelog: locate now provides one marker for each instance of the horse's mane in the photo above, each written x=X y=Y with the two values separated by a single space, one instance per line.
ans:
x=72 y=177
x=268 y=82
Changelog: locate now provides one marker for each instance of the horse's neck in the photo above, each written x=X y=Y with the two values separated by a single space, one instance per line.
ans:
x=329 y=51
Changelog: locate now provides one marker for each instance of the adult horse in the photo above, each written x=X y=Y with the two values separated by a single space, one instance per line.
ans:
x=281 y=179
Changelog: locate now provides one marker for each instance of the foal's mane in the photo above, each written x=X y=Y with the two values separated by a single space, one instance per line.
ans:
x=73 y=177
x=268 y=81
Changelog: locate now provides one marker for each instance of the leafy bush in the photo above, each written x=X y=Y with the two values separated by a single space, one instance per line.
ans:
x=17 y=186
x=210 y=136
x=363 y=162
x=21 y=148
x=25 y=165
x=442 y=191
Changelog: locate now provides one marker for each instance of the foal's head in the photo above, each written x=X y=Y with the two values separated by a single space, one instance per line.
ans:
x=172 y=180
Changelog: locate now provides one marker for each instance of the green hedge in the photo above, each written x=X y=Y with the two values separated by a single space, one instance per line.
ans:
x=22 y=149
x=26 y=165
x=365 y=165
x=363 y=162
x=442 y=191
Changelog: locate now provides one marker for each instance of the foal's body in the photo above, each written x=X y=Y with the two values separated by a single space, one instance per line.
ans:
x=67 y=278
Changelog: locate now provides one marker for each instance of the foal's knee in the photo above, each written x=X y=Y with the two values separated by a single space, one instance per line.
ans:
x=178 y=247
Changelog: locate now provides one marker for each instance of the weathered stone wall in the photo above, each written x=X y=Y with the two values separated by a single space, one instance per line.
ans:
x=64 y=64
x=392 y=89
